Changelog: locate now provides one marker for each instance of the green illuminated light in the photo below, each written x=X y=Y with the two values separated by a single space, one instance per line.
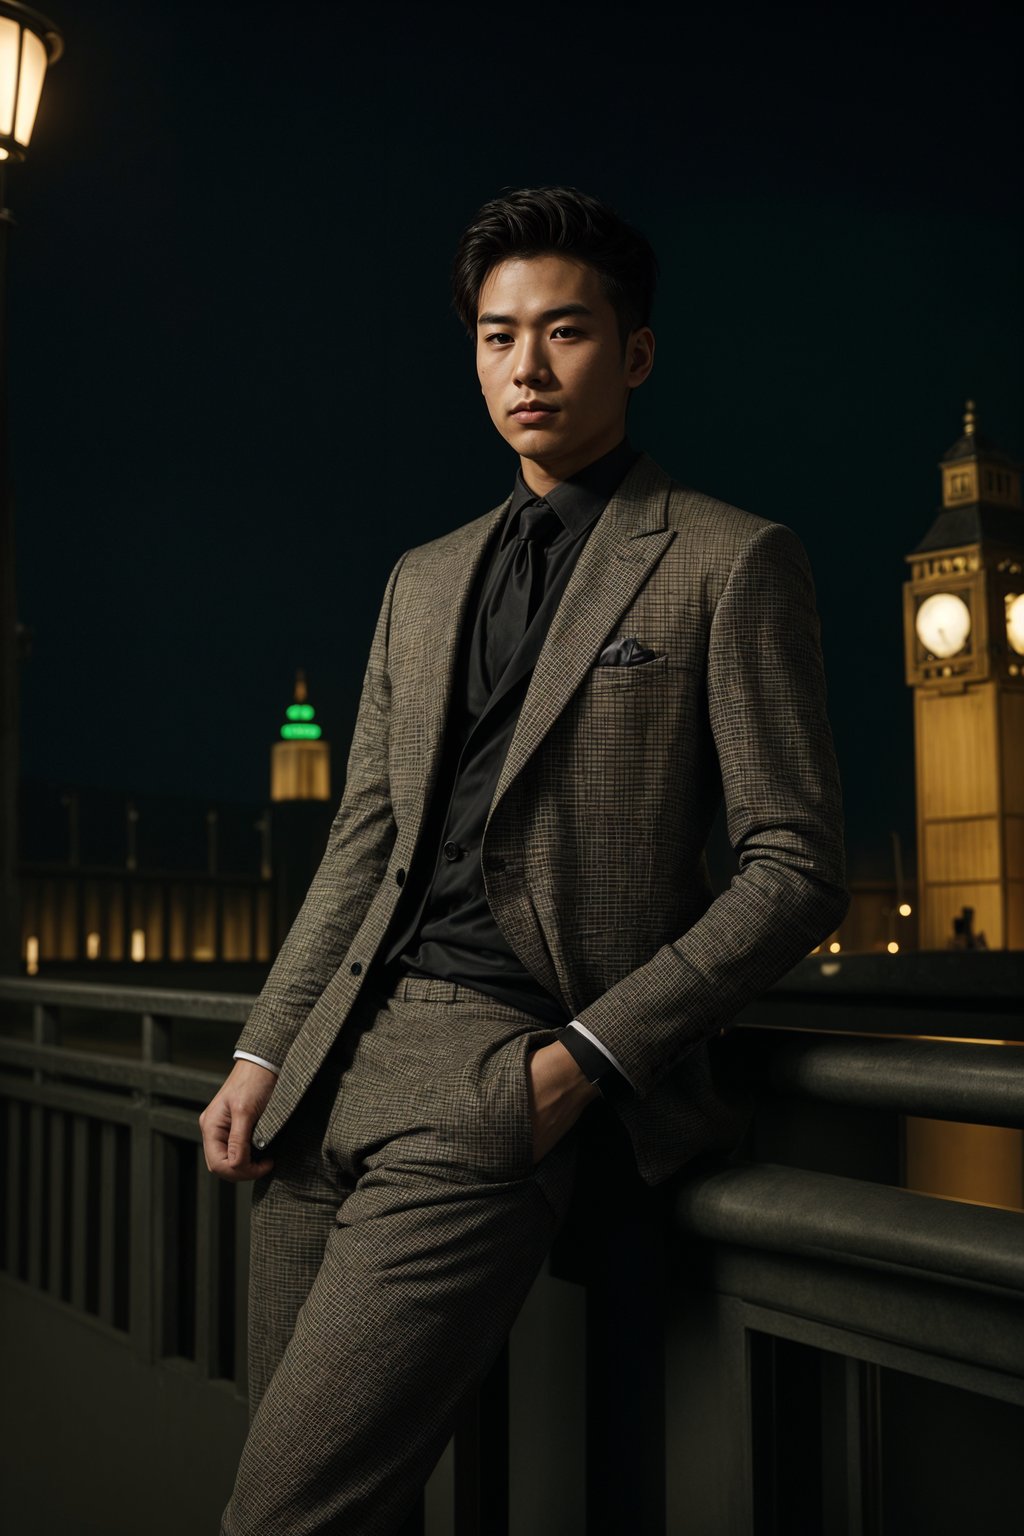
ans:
x=303 y=732
x=300 y=711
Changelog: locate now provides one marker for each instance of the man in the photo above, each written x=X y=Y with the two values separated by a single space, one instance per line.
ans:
x=513 y=917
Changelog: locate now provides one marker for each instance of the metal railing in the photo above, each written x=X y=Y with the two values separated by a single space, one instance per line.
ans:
x=109 y=1211
x=107 y=1202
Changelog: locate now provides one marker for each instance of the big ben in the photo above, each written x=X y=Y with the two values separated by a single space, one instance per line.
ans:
x=964 y=637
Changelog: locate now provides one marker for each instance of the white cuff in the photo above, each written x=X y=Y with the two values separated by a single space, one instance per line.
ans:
x=575 y=1024
x=247 y=1056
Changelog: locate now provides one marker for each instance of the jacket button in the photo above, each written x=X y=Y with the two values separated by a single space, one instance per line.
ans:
x=259 y=1141
x=495 y=863
x=356 y=968
x=399 y=876
x=451 y=851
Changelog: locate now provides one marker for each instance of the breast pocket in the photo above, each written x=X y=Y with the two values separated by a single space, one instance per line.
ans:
x=640 y=674
x=626 y=736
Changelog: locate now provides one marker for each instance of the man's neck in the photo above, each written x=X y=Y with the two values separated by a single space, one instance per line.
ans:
x=543 y=476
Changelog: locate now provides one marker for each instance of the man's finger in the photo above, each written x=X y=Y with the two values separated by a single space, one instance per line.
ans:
x=240 y=1137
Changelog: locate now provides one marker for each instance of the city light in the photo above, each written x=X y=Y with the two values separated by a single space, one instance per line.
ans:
x=905 y=909
x=893 y=947
x=835 y=947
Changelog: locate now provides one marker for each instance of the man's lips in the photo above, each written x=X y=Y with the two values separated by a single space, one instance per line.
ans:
x=532 y=410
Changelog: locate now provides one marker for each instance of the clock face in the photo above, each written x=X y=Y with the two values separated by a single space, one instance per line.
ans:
x=943 y=623
x=1015 y=624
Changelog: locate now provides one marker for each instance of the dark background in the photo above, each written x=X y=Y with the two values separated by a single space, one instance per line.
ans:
x=239 y=393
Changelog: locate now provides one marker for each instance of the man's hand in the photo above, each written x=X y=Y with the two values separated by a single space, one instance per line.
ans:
x=228 y=1119
x=559 y=1092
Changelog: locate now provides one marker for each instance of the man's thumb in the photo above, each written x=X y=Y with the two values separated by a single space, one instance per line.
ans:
x=238 y=1140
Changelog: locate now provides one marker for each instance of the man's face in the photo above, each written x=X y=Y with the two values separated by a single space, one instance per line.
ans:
x=550 y=361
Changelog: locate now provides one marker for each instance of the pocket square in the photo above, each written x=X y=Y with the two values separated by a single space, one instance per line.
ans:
x=624 y=653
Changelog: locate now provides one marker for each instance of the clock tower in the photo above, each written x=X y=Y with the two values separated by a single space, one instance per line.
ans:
x=963 y=610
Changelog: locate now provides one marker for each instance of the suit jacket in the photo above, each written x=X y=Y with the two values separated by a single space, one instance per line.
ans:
x=593 y=851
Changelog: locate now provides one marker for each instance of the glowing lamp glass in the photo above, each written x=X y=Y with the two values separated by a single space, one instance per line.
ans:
x=300 y=731
x=24 y=56
x=30 y=86
x=10 y=49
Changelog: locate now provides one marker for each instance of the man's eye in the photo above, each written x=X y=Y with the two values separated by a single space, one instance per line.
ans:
x=498 y=336
x=565 y=330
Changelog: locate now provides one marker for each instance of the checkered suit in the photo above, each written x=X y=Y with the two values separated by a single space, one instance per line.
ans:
x=593 y=851
x=404 y=1220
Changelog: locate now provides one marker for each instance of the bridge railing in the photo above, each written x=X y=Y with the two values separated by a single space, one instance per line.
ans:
x=802 y=1285
x=108 y=1205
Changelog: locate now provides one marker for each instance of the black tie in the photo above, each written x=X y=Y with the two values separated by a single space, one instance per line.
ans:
x=538 y=524
x=502 y=626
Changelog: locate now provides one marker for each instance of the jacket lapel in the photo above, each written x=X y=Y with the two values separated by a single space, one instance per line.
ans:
x=435 y=613
x=630 y=538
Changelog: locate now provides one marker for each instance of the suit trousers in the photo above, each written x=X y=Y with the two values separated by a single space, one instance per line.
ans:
x=393 y=1243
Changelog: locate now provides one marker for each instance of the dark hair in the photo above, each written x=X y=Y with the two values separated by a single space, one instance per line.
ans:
x=536 y=221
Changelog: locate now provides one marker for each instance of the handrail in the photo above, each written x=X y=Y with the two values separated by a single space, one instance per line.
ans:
x=791 y=1210
x=112 y=1071
x=979 y=1083
x=169 y=1002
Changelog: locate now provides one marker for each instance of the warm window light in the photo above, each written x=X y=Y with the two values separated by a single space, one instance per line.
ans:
x=138 y=944
x=32 y=955
x=893 y=947
x=28 y=43
x=835 y=947
x=905 y=909
x=92 y=946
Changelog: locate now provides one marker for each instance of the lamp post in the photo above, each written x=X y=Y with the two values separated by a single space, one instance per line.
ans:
x=29 y=43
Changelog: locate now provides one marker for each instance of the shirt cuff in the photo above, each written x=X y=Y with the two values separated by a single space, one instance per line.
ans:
x=583 y=1030
x=248 y=1056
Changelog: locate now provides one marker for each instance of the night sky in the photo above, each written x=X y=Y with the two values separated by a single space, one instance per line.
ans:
x=238 y=392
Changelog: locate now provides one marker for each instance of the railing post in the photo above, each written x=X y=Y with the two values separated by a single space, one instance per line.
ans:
x=36 y=1132
x=45 y=1031
x=156 y=1038
x=58 y=1200
x=142 y=1197
x=107 y=1234
x=15 y=1193
x=79 y=1209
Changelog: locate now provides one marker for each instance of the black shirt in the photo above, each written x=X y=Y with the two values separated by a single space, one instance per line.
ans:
x=443 y=925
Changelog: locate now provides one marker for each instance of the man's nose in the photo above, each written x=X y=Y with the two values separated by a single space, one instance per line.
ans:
x=531 y=364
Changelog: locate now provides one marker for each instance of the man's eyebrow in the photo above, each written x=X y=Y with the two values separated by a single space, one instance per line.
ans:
x=558 y=313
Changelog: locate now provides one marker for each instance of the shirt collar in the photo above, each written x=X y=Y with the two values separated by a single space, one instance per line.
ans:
x=580 y=500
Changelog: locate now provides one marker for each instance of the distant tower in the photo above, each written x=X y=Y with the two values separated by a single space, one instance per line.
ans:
x=300 y=763
x=300 y=812
x=964 y=634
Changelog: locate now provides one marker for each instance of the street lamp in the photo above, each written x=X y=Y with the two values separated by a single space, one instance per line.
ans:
x=29 y=43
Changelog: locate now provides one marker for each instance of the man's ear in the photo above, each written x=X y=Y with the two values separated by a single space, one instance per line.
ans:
x=639 y=355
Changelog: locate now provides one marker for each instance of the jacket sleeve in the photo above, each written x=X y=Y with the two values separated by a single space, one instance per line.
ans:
x=766 y=704
x=358 y=847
